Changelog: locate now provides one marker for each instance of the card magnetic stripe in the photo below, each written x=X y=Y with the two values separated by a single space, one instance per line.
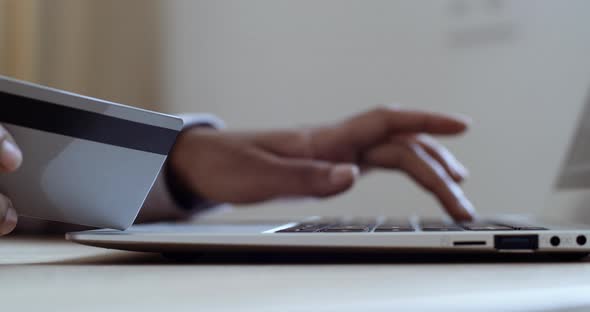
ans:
x=77 y=123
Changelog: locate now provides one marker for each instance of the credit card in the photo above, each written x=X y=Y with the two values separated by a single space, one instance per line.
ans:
x=86 y=161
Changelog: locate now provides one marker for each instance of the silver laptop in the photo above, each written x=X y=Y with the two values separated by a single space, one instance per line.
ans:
x=349 y=235
x=479 y=53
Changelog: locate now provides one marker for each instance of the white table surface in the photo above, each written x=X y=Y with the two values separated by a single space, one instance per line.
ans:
x=50 y=274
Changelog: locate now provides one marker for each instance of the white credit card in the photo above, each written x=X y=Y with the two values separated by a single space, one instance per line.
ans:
x=86 y=161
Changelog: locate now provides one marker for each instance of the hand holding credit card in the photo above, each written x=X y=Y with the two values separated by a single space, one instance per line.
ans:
x=85 y=161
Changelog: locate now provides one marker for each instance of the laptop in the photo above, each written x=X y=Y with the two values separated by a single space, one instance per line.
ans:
x=521 y=52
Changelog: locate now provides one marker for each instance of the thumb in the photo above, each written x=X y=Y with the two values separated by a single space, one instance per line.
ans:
x=314 y=178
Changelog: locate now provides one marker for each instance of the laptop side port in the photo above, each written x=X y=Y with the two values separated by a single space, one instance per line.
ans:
x=469 y=243
x=516 y=242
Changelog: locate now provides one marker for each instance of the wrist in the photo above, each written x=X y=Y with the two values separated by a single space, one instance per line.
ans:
x=180 y=167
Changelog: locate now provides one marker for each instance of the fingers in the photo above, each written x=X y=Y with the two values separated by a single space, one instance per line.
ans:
x=10 y=160
x=295 y=177
x=444 y=157
x=426 y=171
x=379 y=124
x=8 y=216
x=10 y=155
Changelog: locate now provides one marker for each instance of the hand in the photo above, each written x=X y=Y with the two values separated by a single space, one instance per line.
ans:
x=10 y=159
x=249 y=167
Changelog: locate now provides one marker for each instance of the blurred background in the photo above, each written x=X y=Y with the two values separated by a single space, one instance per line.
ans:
x=520 y=68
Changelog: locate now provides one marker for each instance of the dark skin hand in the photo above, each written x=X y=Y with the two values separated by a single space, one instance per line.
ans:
x=250 y=167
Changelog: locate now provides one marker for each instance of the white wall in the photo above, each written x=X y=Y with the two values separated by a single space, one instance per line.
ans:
x=520 y=69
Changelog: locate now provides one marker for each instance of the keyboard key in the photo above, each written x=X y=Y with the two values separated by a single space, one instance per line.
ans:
x=449 y=228
x=382 y=228
x=485 y=227
x=347 y=228
x=522 y=227
x=304 y=228
x=351 y=230
x=296 y=230
x=365 y=224
x=396 y=222
x=439 y=226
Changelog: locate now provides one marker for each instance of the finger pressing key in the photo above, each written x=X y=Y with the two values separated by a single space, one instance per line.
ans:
x=417 y=163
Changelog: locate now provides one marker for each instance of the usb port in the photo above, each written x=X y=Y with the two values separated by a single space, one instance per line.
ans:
x=516 y=242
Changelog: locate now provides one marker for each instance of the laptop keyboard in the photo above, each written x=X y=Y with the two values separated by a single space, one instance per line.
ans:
x=385 y=225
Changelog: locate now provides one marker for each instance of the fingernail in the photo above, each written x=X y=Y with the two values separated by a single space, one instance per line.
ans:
x=9 y=222
x=10 y=155
x=469 y=208
x=11 y=216
x=464 y=118
x=461 y=171
x=465 y=203
x=342 y=174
